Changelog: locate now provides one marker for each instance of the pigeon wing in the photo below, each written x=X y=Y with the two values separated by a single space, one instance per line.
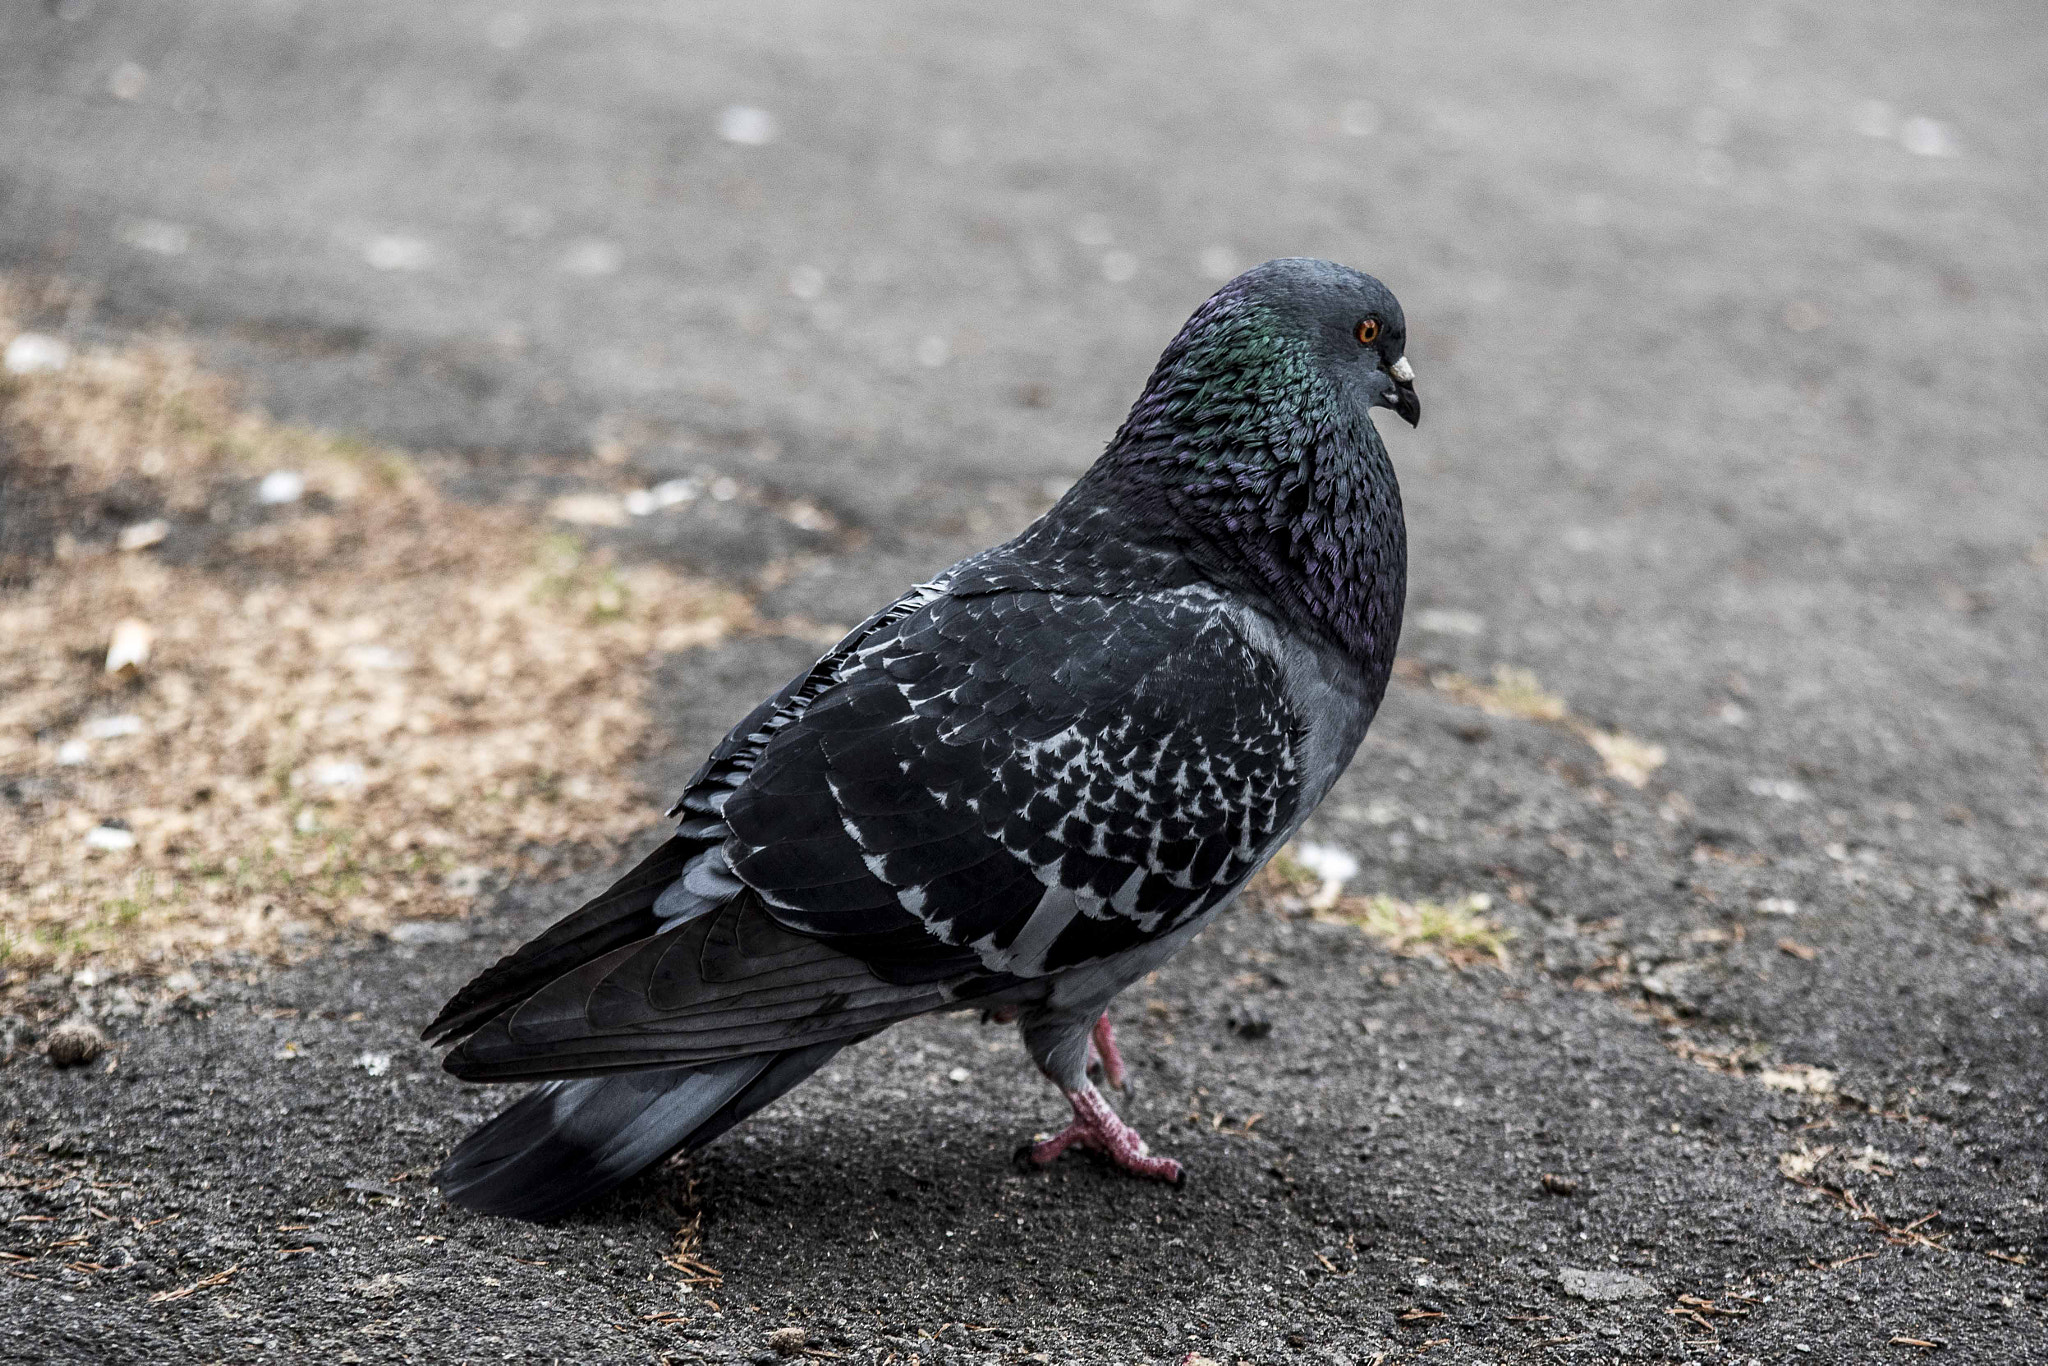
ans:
x=967 y=793
x=1011 y=784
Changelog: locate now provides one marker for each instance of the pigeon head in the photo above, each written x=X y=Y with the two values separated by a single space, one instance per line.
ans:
x=1251 y=456
x=1287 y=355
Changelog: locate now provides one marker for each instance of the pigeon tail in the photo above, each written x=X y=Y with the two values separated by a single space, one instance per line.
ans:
x=566 y=1142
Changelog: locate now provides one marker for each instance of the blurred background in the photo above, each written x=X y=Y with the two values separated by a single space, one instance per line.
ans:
x=1719 y=312
x=1728 y=327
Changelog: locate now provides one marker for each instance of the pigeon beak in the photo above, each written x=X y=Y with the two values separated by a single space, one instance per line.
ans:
x=1403 y=400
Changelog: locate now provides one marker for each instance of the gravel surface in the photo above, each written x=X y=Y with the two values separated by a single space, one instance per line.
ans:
x=1727 y=324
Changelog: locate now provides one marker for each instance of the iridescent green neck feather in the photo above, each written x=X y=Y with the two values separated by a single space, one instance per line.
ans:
x=1243 y=449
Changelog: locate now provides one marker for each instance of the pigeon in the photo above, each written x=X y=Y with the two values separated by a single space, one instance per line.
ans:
x=1018 y=788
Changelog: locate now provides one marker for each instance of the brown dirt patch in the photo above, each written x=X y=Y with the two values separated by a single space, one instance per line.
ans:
x=352 y=700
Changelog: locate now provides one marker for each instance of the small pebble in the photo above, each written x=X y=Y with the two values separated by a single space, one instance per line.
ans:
x=143 y=535
x=128 y=647
x=112 y=838
x=281 y=486
x=1926 y=137
x=32 y=353
x=671 y=492
x=75 y=1043
x=746 y=125
x=1444 y=621
x=337 y=773
x=589 y=509
x=429 y=932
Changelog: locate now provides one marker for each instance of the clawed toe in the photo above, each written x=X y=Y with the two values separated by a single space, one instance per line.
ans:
x=1096 y=1127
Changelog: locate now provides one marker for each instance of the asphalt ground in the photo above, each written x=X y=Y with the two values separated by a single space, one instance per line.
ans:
x=1727 y=323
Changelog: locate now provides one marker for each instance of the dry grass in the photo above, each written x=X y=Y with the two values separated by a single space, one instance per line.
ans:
x=1513 y=692
x=1458 y=932
x=350 y=702
x=1517 y=693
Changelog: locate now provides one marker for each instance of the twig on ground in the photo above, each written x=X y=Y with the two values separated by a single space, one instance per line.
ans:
x=203 y=1283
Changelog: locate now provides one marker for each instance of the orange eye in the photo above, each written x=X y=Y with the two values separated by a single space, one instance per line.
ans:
x=1369 y=331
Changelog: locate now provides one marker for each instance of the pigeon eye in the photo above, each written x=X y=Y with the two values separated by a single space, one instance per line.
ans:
x=1368 y=331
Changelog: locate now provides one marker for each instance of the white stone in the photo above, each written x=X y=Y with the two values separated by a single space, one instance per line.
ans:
x=1332 y=867
x=429 y=932
x=111 y=838
x=381 y=658
x=589 y=509
x=281 y=486
x=1446 y=621
x=336 y=773
x=143 y=535
x=1784 y=789
x=746 y=125
x=1326 y=861
x=128 y=647
x=1925 y=137
x=32 y=353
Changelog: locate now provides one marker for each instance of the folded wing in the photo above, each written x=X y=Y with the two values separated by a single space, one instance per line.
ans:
x=972 y=794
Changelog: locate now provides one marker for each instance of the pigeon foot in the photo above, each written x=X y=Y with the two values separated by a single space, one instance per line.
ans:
x=1103 y=1057
x=1097 y=1127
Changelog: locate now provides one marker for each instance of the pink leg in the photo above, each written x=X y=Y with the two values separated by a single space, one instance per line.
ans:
x=1102 y=1053
x=1096 y=1126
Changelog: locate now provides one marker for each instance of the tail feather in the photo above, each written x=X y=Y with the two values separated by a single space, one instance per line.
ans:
x=566 y=1142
